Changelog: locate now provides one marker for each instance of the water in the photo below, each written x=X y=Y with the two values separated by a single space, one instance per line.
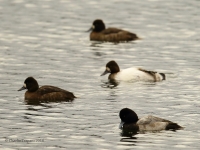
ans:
x=46 y=39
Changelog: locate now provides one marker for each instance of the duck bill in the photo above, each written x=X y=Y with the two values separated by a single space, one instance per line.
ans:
x=121 y=125
x=105 y=72
x=22 y=88
x=92 y=27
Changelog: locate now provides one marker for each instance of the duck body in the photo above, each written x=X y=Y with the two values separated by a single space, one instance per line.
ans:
x=130 y=121
x=113 y=35
x=50 y=94
x=101 y=33
x=131 y=74
x=136 y=74
x=45 y=93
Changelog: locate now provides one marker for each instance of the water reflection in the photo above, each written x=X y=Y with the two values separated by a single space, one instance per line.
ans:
x=130 y=138
x=42 y=103
x=96 y=44
x=31 y=112
x=110 y=84
x=114 y=83
x=128 y=133
x=27 y=119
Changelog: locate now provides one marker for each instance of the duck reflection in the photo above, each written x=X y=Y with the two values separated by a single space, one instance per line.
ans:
x=110 y=84
x=42 y=103
x=32 y=111
x=129 y=137
x=129 y=134
x=96 y=44
x=95 y=47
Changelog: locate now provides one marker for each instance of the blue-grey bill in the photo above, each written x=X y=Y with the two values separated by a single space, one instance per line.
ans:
x=22 y=88
x=105 y=72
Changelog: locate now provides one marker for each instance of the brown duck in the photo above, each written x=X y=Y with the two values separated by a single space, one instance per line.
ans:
x=45 y=93
x=100 y=33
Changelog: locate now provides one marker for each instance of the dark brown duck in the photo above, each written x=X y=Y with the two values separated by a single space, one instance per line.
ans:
x=100 y=33
x=45 y=93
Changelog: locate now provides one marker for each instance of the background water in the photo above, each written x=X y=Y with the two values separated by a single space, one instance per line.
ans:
x=46 y=39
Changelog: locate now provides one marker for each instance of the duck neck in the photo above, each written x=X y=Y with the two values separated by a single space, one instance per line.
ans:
x=115 y=69
x=34 y=88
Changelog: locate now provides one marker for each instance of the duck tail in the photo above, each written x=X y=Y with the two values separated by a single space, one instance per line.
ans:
x=173 y=126
x=163 y=76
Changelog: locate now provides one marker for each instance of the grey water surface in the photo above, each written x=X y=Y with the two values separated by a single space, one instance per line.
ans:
x=46 y=39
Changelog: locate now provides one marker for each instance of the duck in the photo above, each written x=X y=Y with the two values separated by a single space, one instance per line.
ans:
x=44 y=93
x=131 y=74
x=130 y=121
x=103 y=34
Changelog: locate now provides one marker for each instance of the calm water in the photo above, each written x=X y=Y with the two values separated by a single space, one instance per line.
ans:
x=46 y=39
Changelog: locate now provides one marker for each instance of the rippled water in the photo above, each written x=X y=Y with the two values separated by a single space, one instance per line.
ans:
x=46 y=39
